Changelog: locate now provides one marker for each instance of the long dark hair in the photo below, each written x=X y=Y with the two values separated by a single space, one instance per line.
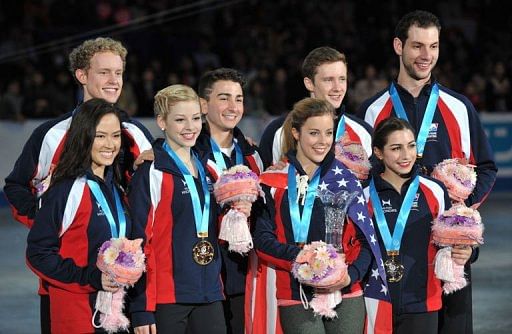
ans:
x=76 y=154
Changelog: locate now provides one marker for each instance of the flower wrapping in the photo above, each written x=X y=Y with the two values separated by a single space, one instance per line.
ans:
x=124 y=261
x=238 y=183
x=353 y=155
x=319 y=265
x=458 y=177
x=459 y=225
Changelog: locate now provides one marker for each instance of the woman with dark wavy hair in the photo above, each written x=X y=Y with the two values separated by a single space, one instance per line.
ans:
x=82 y=208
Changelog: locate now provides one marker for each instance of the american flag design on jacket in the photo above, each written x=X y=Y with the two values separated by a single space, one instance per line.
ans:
x=377 y=300
x=336 y=178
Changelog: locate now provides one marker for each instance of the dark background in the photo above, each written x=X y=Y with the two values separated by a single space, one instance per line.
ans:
x=175 y=41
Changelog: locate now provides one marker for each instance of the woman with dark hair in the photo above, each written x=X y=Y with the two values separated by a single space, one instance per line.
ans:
x=82 y=208
x=292 y=206
x=403 y=204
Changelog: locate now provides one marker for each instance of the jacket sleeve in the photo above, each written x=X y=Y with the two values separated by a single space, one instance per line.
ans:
x=267 y=141
x=143 y=294
x=18 y=188
x=266 y=242
x=43 y=245
x=481 y=156
x=358 y=268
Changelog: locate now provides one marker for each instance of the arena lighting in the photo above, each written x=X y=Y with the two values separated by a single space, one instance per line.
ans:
x=159 y=18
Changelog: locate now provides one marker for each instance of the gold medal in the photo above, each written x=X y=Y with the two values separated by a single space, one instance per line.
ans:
x=203 y=252
x=394 y=269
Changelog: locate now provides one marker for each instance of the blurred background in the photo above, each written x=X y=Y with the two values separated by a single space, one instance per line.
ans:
x=176 y=41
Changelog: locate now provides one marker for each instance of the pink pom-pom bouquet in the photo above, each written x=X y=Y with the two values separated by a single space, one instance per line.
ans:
x=124 y=261
x=319 y=265
x=458 y=177
x=238 y=183
x=353 y=155
x=459 y=225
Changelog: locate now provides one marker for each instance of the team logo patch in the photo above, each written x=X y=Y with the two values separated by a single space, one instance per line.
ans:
x=386 y=206
x=415 y=202
x=432 y=131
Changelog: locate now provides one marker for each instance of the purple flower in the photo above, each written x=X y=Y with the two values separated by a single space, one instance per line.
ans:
x=105 y=246
x=125 y=259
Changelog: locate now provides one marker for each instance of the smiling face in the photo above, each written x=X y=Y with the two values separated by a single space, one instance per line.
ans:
x=398 y=154
x=107 y=143
x=182 y=125
x=314 y=140
x=330 y=83
x=419 y=53
x=104 y=78
x=224 y=107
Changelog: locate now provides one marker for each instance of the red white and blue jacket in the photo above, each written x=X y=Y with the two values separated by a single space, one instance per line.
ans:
x=62 y=249
x=419 y=290
x=42 y=152
x=161 y=205
x=271 y=139
x=273 y=235
x=455 y=132
x=234 y=265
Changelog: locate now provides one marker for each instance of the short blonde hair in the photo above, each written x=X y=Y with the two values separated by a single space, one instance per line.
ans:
x=170 y=96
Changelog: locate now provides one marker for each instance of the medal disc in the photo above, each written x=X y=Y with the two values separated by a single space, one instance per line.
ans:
x=394 y=270
x=203 y=252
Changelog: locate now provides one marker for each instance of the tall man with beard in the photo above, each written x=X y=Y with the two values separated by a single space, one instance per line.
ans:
x=446 y=125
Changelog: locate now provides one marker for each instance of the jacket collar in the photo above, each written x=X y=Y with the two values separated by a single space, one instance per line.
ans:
x=324 y=165
x=165 y=163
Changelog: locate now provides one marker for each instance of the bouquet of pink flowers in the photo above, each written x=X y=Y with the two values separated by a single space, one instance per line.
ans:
x=319 y=265
x=458 y=177
x=459 y=225
x=123 y=260
x=238 y=183
x=353 y=155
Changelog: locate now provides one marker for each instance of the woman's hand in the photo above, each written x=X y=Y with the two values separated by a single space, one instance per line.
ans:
x=108 y=283
x=338 y=285
x=461 y=254
x=243 y=206
x=147 y=329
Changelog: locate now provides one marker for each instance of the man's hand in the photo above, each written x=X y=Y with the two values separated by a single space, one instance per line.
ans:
x=277 y=166
x=146 y=155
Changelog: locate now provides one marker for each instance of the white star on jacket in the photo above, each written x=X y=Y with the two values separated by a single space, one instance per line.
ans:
x=342 y=183
x=323 y=185
x=360 y=199
x=360 y=216
x=337 y=170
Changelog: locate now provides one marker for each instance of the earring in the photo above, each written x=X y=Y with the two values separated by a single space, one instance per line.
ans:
x=163 y=129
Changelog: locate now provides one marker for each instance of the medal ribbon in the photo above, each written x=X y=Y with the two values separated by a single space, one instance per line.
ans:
x=201 y=217
x=100 y=197
x=300 y=224
x=341 y=128
x=393 y=243
x=219 y=157
x=427 y=117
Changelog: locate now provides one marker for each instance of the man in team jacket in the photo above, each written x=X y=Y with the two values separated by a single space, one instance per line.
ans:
x=325 y=77
x=449 y=128
x=98 y=66
x=222 y=103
